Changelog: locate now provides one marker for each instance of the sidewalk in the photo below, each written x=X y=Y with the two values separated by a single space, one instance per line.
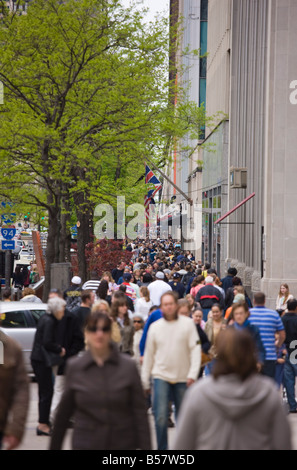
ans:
x=33 y=442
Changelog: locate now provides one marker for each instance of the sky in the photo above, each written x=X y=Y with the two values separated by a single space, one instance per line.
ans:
x=155 y=6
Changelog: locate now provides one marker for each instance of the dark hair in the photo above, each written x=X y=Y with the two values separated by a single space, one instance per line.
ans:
x=236 y=354
x=93 y=319
x=147 y=277
x=115 y=307
x=232 y=271
x=153 y=308
x=292 y=305
x=6 y=293
x=198 y=280
x=85 y=295
x=236 y=281
x=123 y=288
x=206 y=266
x=102 y=289
x=259 y=298
x=56 y=291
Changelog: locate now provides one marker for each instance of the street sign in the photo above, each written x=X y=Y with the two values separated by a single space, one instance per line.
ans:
x=7 y=245
x=8 y=233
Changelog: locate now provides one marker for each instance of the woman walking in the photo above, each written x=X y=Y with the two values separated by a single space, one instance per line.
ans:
x=144 y=303
x=236 y=408
x=46 y=354
x=104 y=395
x=119 y=313
x=212 y=328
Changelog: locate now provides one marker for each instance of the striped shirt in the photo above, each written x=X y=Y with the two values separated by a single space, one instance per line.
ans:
x=269 y=322
x=91 y=285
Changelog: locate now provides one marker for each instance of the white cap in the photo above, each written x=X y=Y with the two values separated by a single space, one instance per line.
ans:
x=160 y=275
x=76 y=280
x=209 y=280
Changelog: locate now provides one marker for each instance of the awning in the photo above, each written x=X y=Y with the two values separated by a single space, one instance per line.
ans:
x=235 y=208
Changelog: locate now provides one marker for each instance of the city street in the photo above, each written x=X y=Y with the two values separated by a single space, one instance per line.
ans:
x=33 y=442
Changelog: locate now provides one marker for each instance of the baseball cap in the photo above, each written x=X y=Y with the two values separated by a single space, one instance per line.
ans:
x=127 y=276
x=177 y=275
x=76 y=280
x=160 y=275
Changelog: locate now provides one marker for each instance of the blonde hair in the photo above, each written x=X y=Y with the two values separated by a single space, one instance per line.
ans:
x=100 y=305
x=145 y=293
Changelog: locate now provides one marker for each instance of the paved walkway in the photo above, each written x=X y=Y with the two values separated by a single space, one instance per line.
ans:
x=33 y=442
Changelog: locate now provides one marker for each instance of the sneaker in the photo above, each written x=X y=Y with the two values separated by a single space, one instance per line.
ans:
x=170 y=423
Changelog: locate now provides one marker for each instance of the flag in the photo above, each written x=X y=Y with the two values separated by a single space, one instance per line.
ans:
x=150 y=178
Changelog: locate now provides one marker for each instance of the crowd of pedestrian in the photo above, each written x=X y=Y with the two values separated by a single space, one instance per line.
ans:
x=165 y=335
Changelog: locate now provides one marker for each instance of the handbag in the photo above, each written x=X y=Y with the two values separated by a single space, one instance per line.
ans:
x=205 y=359
x=50 y=358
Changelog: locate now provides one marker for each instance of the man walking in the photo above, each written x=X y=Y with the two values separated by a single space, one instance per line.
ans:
x=209 y=295
x=177 y=286
x=290 y=368
x=172 y=357
x=158 y=288
x=269 y=322
x=72 y=295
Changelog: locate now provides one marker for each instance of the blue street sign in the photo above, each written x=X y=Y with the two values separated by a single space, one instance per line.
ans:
x=8 y=218
x=8 y=245
x=8 y=233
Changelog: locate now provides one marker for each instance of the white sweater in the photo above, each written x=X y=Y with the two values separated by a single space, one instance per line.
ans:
x=172 y=351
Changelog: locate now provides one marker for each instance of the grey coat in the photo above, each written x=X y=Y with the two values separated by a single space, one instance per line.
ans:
x=107 y=403
x=228 y=414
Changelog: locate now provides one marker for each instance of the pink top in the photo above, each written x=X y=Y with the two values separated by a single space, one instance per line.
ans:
x=196 y=289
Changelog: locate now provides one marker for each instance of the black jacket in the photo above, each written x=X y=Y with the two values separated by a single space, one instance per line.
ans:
x=70 y=335
x=72 y=297
x=205 y=343
x=290 y=324
x=45 y=336
x=209 y=295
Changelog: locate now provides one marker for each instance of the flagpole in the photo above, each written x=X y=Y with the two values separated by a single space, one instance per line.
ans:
x=190 y=201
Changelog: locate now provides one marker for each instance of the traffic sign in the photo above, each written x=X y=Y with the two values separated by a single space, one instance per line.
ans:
x=8 y=233
x=7 y=245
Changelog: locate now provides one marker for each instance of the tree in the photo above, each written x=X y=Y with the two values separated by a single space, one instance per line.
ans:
x=85 y=100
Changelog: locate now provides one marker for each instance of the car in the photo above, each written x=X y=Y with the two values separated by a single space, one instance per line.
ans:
x=19 y=321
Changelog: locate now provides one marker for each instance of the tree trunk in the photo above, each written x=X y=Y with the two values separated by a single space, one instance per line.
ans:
x=65 y=235
x=50 y=256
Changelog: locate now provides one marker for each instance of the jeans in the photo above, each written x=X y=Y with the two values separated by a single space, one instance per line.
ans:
x=279 y=374
x=162 y=391
x=205 y=313
x=208 y=368
x=290 y=373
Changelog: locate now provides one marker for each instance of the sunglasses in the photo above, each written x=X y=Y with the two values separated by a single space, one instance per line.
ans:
x=94 y=329
x=137 y=321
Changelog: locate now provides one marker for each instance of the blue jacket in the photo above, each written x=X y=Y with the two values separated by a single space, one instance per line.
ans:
x=156 y=315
